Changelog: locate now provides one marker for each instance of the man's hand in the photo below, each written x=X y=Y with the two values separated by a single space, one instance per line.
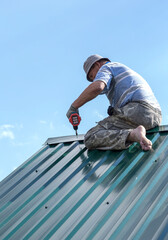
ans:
x=71 y=110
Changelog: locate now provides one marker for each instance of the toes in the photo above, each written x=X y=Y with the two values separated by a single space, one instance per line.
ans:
x=146 y=144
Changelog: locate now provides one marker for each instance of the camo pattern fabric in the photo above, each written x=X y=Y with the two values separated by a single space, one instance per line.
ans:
x=112 y=132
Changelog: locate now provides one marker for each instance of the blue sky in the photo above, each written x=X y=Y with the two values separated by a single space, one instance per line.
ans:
x=43 y=45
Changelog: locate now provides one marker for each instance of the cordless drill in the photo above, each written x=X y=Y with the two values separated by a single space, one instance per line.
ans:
x=75 y=120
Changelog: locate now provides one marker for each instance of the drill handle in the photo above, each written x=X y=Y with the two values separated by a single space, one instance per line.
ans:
x=75 y=120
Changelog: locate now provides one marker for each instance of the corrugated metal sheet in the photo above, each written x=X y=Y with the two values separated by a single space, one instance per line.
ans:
x=65 y=191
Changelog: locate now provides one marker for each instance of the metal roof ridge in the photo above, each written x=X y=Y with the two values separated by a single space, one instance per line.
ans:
x=161 y=128
x=80 y=137
x=70 y=138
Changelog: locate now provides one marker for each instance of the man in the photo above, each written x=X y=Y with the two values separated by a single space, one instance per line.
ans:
x=133 y=106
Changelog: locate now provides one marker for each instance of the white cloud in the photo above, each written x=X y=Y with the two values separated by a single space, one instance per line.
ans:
x=20 y=144
x=43 y=122
x=51 y=126
x=6 y=126
x=99 y=115
x=6 y=132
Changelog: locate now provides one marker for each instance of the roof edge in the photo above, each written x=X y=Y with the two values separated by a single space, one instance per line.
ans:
x=163 y=128
x=80 y=137
x=71 y=138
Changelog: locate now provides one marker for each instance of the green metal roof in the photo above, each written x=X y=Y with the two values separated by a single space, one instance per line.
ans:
x=65 y=191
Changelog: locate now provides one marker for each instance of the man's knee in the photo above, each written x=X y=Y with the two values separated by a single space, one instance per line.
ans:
x=89 y=141
x=90 y=138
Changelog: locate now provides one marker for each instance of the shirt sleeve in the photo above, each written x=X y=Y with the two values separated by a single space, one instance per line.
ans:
x=105 y=75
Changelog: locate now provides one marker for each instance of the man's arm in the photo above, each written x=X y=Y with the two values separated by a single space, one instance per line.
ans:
x=92 y=91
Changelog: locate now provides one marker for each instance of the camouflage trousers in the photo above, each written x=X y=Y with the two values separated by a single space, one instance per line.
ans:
x=112 y=132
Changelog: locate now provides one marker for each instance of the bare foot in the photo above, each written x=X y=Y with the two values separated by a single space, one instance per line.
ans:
x=139 y=135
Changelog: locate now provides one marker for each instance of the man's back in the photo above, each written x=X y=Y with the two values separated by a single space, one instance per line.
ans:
x=124 y=85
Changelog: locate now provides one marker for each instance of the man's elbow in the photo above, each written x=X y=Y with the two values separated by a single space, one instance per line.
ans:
x=98 y=86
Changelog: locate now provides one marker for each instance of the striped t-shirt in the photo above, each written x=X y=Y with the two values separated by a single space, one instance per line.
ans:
x=123 y=85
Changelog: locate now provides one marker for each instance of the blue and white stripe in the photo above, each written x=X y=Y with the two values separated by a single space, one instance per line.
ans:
x=124 y=85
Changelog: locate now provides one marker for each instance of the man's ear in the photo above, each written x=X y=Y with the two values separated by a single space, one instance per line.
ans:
x=98 y=64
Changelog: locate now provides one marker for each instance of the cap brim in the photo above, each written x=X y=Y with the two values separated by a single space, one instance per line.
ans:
x=87 y=77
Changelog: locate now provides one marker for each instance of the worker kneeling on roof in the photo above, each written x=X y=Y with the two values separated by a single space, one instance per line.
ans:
x=133 y=106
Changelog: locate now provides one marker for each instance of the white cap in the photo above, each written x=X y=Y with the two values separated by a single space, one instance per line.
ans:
x=89 y=63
